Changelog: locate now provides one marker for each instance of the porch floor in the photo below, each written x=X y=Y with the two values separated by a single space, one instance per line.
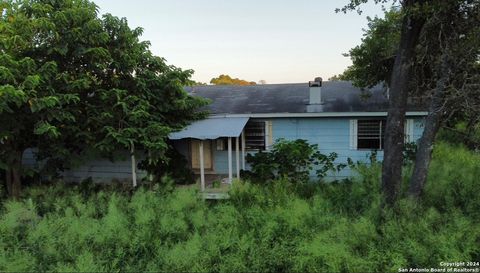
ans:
x=215 y=187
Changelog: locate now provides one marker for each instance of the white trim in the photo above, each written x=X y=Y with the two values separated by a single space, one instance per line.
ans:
x=134 y=165
x=308 y=115
x=237 y=156
x=230 y=175
x=243 y=149
x=409 y=123
x=353 y=134
x=268 y=135
x=202 y=166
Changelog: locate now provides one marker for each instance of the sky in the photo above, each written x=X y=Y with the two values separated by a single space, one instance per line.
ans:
x=279 y=41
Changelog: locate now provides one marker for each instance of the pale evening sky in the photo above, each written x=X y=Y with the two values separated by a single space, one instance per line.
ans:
x=276 y=41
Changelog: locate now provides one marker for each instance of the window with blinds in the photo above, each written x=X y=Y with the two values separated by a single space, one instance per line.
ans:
x=255 y=135
x=370 y=134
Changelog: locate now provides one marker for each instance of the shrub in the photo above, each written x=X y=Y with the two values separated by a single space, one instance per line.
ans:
x=293 y=160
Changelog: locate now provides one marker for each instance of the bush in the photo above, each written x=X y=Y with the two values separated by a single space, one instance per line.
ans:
x=293 y=160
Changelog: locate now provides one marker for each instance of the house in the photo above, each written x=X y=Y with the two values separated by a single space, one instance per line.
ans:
x=246 y=119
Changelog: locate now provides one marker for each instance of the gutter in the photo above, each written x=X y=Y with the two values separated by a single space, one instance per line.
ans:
x=315 y=115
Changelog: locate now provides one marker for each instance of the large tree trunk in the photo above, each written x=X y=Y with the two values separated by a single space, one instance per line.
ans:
x=394 y=135
x=13 y=175
x=432 y=124
x=8 y=180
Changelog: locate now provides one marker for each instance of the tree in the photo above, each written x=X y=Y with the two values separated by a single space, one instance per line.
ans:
x=227 y=80
x=71 y=82
x=38 y=94
x=451 y=24
x=455 y=75
x=335 y=78
x=147 y=96
x=414 y=14
x=372 y=60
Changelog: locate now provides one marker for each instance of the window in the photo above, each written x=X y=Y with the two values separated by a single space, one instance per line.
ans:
x=256 y=138
x=370 y=134
x=255 y=135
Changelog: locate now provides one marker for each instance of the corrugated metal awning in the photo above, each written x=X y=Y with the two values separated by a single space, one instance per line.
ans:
x=212 y=128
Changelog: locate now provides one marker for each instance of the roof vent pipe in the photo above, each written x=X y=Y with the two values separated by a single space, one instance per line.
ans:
x=315 y=98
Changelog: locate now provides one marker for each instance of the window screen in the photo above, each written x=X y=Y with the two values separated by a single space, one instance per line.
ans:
x=370 y=134
x=255 y=135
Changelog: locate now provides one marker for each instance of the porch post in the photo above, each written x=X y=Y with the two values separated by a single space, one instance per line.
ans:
x=243 y=149
x=237 y=156
x=202 y=171
x=134 y=164
x=230 y=176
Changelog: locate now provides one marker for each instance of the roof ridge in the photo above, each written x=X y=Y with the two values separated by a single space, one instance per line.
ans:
x=267 y=84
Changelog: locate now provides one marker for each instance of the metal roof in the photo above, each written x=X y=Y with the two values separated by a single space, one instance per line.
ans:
x=338 y=96
x=212 y=128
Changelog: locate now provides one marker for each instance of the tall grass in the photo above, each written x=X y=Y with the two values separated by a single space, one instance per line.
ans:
x=331 y=227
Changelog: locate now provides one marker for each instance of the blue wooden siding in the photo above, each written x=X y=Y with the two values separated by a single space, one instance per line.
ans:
x=104 y=171
x=28 y=158
x=330 y=134
x=100 y=170
x=418 y=128
x=220 y=162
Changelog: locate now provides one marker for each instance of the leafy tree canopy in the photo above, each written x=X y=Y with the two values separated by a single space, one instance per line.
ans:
x=227 y=80
x=71 y=81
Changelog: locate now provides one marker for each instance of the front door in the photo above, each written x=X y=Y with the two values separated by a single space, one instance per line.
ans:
x=207 y=154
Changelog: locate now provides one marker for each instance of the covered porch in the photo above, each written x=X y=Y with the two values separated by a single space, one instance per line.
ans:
x=203 y=139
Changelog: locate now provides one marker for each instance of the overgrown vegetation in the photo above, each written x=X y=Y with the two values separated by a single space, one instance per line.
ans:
x=281 y=226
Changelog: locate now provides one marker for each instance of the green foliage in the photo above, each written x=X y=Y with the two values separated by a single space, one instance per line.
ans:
x=70 y=81
x=292 y=159
x=176 y=167
x=372 y=60
x=227 y=80
x=267 y=228
x=46 y=128
x=409 y=152
x=467 y=133
x=453 y=181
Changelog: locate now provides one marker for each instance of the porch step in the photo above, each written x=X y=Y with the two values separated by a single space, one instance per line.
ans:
x=214 y=195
